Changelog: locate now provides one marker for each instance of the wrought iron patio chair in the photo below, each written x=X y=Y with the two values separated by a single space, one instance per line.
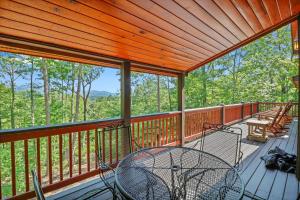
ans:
x=224 y=142
x=37 y=186
x=107 y=172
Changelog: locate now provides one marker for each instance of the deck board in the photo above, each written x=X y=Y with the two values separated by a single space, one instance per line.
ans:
x=268 y=184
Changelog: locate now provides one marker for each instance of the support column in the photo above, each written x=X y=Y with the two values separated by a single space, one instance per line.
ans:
x=126 y=106
x=222 y=115
x=181 y=106
x=251 y=109
x=298 y=138
x=242 y=110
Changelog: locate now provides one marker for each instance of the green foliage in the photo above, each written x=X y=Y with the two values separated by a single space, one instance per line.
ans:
x=260 y=71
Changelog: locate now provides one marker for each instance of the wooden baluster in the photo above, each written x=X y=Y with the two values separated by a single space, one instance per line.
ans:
x=117 y=145
x=96 y=148
x=38 y=159
x=157 y=132
x=143 y=134
x=26 y=165
x=61 y=174
x=70 y=155
x=147 y=136
x=0 y=173
x=110 y=146
x=167 y=130
x=88 y=163
x=103 y=144
x=151 y=133
x=79 y=152
x=50 y=159
x=13 y=167
x=138 y=133
x=172 y=129
x=163 y=132
x=132 y=136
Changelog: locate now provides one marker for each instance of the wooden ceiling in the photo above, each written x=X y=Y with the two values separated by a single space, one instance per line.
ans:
x=178 y=35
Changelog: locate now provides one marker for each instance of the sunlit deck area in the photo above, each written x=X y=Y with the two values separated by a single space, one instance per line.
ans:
x=267 y=184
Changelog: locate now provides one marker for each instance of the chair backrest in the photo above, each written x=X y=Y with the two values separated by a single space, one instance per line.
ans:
x=120 y=134
x=284 y=113
x=277 y=117
x=37 y=186
x=223 y=142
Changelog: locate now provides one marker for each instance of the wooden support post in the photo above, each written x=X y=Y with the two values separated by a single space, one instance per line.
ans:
x=257 y=109
x=125 y=105
x=222 y=120
x=181 y=105
x=251 y=109
x=298 y=138
x=242 y=110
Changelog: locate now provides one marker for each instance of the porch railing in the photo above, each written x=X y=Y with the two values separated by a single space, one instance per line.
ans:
x=65 y=154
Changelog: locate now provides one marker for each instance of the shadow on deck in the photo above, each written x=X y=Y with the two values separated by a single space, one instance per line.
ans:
x=268 y=184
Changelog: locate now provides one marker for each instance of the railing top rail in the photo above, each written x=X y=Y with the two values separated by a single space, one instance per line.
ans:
x=204 y=108
x=154 y=116
x=59 y=126
x=294 y=103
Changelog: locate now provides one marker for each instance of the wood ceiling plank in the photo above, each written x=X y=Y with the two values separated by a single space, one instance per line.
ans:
x=261 y=12
x=295 y=5
x=144 y=26
x=186 y=16
x=141 y=16
x=232 y=12
x=219 y=15
x=273 y=11
x=284 y=8
x=20 y=14
x=97 y=19
x=40 y=34
x=248 y=14
x=248 y=40
x=202 y=15
x=176 y=21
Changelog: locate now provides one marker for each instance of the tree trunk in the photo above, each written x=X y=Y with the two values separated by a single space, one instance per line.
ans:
x=76 y=117
x=46 y=92
x=158 y=94
x=62 y=100
x=169 y=93
x=12 y=105
x=31 y=94
x=72 y=94
x=204 y=87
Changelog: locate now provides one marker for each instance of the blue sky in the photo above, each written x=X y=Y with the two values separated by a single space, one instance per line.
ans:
x=109 y=81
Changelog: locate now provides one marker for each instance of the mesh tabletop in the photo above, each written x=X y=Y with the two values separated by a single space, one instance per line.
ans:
x=177 y=173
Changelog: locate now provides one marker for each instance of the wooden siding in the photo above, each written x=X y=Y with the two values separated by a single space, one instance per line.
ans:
x=179 y=35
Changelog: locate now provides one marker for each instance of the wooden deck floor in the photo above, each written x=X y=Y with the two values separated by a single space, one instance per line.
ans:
x=268 y=184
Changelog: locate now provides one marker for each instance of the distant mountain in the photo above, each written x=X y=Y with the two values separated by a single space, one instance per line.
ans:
x=96 y=94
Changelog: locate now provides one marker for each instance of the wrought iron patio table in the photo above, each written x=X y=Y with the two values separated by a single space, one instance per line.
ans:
x=177 y=173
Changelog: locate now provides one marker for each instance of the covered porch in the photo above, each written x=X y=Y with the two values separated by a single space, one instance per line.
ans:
x=169 y=38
